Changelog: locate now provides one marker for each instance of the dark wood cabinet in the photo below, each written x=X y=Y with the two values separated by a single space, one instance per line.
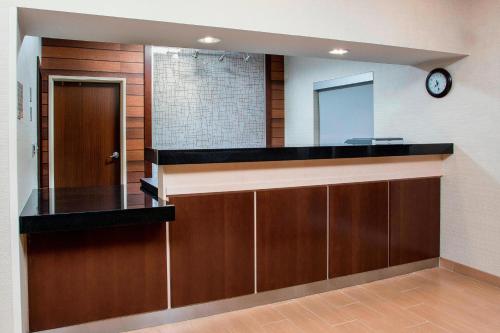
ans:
x=77 y=277
x=211 y=247
x=359 y=228
x=414 y=220
x=291 y=236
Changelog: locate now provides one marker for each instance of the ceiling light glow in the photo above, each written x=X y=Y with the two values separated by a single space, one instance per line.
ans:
x=339 y=51
x=209 y=40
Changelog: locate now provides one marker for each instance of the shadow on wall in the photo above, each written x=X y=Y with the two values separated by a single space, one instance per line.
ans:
x=468 y=188
x=430 y=65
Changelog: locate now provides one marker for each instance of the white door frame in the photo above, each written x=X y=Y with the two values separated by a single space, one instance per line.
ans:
x=123 y=118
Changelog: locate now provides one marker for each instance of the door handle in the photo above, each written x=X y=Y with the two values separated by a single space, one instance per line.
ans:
x=115 y=155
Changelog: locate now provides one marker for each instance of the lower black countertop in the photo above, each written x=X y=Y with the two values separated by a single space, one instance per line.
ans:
x=72 y=209
x=201 y=156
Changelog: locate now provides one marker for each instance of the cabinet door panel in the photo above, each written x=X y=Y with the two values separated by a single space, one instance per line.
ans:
x=291 y=237
x=211 y=247
x=78 y=277
x=359 y=229
x=414 y=220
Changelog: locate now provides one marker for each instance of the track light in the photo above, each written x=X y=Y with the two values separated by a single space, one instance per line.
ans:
x=196 y=54
x=246 y=58
x=221 y=58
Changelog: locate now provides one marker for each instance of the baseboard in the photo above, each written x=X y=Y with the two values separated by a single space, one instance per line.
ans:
x=134 y=322
x=469 y=271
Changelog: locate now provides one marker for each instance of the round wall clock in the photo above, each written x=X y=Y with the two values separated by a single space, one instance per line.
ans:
x=438 y=82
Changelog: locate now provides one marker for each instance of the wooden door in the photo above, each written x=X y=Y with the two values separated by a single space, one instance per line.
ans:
x=291 y=237
x=359 y=228
x=86 y=134
x=211 y=247
x=414 y=220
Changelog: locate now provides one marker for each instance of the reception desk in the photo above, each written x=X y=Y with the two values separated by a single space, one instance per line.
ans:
x=246 y=227
x=270 y=221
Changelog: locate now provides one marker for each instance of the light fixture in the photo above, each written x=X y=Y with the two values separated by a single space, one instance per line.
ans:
x=221 y=58
x=209 y=40
x=196 y=54
x=246 y=58
x=339 y=51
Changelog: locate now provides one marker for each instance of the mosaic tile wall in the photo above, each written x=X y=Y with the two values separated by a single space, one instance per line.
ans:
x=206 y=103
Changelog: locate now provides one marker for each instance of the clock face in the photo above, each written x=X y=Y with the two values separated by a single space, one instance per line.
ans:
x=438 y=82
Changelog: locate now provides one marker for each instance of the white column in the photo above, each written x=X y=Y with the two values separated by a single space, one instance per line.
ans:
x=10 y=294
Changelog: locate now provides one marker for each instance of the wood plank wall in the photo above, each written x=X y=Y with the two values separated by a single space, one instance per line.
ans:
x=275 y=101
x=81 y=58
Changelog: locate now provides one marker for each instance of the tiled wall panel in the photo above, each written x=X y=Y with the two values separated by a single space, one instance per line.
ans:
x=206 y=103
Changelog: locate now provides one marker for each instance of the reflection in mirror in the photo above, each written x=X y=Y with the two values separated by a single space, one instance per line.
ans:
x=206 y=99
x=343 y=109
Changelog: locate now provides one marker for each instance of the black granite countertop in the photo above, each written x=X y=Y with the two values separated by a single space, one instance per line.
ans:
x=71 y=209
x=202 y=156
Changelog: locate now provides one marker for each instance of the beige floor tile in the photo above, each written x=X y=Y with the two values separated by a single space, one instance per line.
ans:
x=265 y=314
x=320 y=307
x=433 y=300
x=398 y=317
x=351 y=327
x=283 y=326
x=240 y=322
x=442 y=319
x=337 y=298
x=303 y=318
x=427 y=328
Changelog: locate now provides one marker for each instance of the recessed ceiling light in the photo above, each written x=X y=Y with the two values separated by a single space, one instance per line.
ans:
x=339 y=51
x=209 y=40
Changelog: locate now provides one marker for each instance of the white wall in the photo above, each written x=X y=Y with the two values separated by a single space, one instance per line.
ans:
x=469 y=117
x=10 y=313
x=29 y=49
x=27 y=164
x=409 y=23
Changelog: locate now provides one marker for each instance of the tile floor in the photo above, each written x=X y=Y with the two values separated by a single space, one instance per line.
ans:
x=433 y=300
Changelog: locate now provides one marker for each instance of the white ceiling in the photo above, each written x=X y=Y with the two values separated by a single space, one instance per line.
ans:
x=120 y=30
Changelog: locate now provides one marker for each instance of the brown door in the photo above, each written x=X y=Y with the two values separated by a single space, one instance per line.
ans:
x=86 y=134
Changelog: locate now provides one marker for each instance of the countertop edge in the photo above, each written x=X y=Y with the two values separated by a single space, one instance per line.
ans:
x=239 y=155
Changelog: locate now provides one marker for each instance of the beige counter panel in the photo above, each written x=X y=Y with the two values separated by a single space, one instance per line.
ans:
x=223 y=177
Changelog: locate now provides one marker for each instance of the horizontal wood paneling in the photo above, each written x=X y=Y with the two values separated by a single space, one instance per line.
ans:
x=135 y=133
x=92 y=45
x=275 y=101
x=131 y=77
x=135 y=155
x=91 y=54
x=84 y=58
x=135 y=111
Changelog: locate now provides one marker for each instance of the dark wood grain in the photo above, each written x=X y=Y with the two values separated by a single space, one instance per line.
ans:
x=91 y=54
x=359 y=229
x=414 y=220
x=211 y=247
x=275 y=101
x=291 y=236
x=91 y=275
x=148 y=95
x=91 y=45
x=87 y=123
